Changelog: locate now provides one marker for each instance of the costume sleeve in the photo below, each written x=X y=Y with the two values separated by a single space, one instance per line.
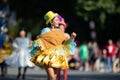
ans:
x=70 y=45
x=15 y=45
x=37 y=42
x=44 y=30
x=34 y=47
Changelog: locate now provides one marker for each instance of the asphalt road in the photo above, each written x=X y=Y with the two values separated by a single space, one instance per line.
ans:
x=40 y=74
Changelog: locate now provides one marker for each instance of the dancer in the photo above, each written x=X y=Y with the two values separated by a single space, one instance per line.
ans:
x=20 y=56
x=2 y=53
x=63 y=26
x=49 y=50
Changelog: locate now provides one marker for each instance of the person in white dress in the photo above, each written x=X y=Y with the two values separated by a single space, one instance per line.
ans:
x=20 y=57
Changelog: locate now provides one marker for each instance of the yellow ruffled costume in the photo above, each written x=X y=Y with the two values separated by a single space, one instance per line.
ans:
x=51 y=50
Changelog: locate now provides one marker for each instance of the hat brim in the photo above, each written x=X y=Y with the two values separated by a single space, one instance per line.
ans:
x=52 y=18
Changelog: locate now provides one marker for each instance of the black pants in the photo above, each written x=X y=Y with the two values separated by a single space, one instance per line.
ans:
x=3 y=68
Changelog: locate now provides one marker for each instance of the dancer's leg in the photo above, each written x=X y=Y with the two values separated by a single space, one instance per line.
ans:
x=65 y=73
x=2 y=69
x=51 y=72
x=24 y=73
x=19 y=73
x=58 y=75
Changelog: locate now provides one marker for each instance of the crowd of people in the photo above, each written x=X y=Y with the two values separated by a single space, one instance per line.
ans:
x=57 y=51
x=90 y=57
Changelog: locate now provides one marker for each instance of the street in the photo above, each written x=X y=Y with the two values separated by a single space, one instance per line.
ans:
x=40 y=74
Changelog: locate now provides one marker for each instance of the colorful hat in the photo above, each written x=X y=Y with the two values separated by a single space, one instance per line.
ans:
x=49 y=16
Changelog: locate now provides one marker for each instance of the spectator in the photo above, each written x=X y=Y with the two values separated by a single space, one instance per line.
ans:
x=110 y=47
x=116 y=67
x=91 y=53
x=104 y=60
x=84 y=55
x=2 y=64
x=96 y=56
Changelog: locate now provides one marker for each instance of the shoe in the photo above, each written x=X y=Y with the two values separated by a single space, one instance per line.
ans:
x=23 y=77
x=18 y=76
x=2 y=75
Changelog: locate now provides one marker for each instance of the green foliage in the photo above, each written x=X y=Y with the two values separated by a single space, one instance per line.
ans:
x=13 y=30
x=100 y=8
x=30 y=25
x=90 y=5
x=118 y=10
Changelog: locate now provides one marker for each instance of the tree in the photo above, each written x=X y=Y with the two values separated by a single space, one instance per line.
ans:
x=97 y=10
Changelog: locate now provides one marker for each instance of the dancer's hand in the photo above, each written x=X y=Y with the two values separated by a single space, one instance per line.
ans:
x=38 y=47
x=73 y=35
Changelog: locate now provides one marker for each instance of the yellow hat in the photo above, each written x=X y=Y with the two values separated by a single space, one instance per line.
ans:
x=49 y=16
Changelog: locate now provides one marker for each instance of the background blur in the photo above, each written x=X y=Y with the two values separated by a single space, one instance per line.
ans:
x=96 y=22
x=90 y=19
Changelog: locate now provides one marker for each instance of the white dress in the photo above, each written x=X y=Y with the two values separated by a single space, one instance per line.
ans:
x=20 y=56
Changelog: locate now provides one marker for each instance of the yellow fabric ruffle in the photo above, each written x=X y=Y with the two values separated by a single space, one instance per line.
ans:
x=50 y=51
x=53 y=57
x=3 y=54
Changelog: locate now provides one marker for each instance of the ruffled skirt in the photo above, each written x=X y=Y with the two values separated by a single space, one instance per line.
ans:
x=53 y=57
x=19 y=59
